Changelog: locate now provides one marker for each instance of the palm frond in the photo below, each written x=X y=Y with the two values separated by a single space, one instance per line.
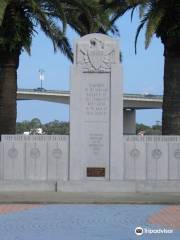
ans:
x=57 y=36
x=158 y=17
x=143 y=21
x=154 y=17
x=55 y=8
x=3 y=5
x=52 y=16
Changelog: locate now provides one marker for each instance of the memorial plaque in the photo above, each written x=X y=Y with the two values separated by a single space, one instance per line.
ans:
x=95 y=115
x=96 y=97
x=95 y=172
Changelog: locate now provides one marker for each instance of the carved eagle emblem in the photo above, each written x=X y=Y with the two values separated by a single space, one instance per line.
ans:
x=97 y=57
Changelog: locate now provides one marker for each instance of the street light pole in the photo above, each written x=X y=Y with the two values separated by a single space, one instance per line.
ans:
x=41 y=76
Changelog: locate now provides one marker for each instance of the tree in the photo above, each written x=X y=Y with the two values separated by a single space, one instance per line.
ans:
x=162 y=18
x=140 y=127
x=147 y=130
x=56 y=127
x=35 y=123
x=22 y=127
x=18 y=22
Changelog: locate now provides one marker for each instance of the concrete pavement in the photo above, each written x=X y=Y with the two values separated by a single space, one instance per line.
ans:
x=88 y=222
x=89 y=198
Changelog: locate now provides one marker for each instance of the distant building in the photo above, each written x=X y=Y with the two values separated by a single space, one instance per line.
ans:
x=36 y=131
x=26 y=133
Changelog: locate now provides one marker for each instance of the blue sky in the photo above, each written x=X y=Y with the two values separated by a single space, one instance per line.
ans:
x=142 y=73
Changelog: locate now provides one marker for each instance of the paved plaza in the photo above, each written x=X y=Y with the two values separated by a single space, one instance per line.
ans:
x=88 y=222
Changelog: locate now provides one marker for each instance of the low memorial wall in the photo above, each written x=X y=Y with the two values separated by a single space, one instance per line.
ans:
x=151 y=163
x=26 y=159
x=152 y=157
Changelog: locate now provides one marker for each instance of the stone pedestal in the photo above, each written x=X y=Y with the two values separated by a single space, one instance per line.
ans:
x=96 y=110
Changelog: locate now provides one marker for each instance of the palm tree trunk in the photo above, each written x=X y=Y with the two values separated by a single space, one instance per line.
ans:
x=171 y=98
x=8 y=88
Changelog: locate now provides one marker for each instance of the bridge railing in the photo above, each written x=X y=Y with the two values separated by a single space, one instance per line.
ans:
x=126 y=95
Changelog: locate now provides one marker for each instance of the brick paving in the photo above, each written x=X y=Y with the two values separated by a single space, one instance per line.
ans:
x=168 y=216
x=85 y=222
x=9 y=208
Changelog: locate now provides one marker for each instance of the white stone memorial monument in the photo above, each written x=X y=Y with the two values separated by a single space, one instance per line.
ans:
x=96 y=157
x=96 y=110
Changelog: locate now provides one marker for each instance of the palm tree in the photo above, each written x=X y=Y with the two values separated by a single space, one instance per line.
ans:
x=162 y=18
x=18 y=22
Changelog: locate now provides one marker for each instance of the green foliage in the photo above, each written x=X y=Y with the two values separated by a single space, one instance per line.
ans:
x=22 y=127
x=28 y=126
x=51 y=128
x=147 y=130
x=19 y=20
x=56 y=127
x=35 y=123
x=100 y=22
x=3 y=5
x=160 y=17
x=115 y=9
x=62 y=128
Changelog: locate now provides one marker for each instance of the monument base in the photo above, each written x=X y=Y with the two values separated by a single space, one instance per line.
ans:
x=120 y=186
x=27 y=186
x=96 y=186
